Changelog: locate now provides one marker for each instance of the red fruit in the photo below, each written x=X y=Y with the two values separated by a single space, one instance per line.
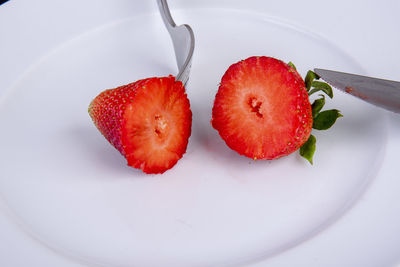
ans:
x=262 y=109
x=148 y=121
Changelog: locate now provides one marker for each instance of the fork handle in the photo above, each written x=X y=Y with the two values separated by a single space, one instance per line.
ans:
x=166 y=14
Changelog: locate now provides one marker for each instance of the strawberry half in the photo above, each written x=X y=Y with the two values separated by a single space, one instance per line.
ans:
x=262 y=109
x=148 y=121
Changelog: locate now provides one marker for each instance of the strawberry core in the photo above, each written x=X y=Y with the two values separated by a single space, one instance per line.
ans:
x=255 y=106
x=160 y=125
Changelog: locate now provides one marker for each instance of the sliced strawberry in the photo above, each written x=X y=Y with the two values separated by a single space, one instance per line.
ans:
x=262 y=109
x=148 y=121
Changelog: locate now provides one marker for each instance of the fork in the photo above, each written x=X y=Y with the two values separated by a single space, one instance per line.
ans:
x=183 y=40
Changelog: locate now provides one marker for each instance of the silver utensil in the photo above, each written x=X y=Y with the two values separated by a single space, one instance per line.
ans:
x=183 y=40
x=382 y=93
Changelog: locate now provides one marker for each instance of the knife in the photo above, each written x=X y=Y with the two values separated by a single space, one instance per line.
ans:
x=382 y=93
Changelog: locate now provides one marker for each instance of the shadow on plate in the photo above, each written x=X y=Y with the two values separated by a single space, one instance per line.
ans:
x=101 y=154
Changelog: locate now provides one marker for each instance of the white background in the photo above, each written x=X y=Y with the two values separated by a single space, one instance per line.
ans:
x=368 y=235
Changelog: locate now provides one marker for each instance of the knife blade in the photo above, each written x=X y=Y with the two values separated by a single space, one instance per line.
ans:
x=380 y=92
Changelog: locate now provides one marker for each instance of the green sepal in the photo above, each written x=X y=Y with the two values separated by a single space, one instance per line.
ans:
x=317 y=105
x=292 y=65
x=310 y=77
x=307 y=150
x=325 y=119
x=321 y=86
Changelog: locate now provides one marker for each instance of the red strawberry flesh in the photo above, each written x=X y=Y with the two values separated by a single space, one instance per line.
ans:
x=262 y=109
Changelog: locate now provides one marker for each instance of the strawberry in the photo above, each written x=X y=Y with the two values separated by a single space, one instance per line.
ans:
x=148 y=122
x=262 y=109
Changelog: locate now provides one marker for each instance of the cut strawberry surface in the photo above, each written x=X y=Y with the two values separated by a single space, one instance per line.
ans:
x=262 y=109
x=148 y=121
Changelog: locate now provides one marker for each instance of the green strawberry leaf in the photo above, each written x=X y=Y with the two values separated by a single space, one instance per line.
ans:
x=317 y=105
x=322 y=120
x=321 y=86
x=310 y=77
x=308 y=148
x=292 y=65
x=325 y=119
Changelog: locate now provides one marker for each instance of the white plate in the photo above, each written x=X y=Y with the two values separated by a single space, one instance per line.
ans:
x=67 y=187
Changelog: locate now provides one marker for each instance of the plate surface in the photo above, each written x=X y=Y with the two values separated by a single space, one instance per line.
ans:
x=71 y=190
